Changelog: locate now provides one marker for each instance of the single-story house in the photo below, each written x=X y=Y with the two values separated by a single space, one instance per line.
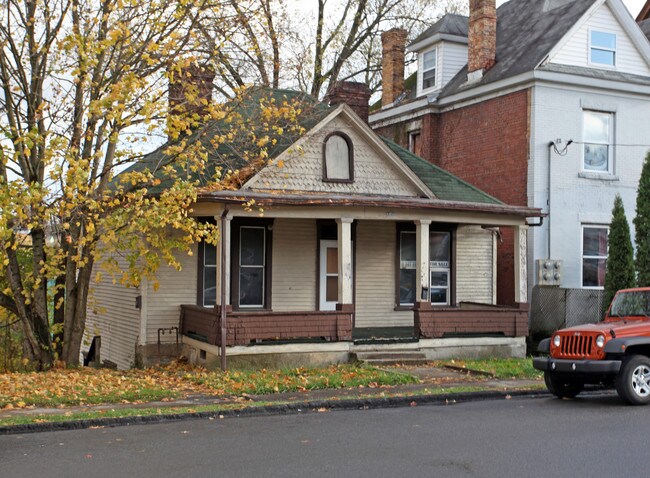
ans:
x=360 y=244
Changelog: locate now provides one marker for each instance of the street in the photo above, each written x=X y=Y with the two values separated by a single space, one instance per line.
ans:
x=595 y=435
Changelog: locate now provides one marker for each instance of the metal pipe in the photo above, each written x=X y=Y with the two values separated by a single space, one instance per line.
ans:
x=550 y=156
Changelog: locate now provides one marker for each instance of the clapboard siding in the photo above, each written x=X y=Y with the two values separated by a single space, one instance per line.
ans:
x=375 y=251
x=475 y=281
x=294 y=265
x=112 y=315
x=450 y=58
x=454 y=58
x=175 y=288
x=303 y=170
x=576 y=50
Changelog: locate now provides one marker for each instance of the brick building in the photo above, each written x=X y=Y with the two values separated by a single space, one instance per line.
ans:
x=538 y=104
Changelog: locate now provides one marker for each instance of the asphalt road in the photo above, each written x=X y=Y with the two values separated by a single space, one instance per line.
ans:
x=592 y=436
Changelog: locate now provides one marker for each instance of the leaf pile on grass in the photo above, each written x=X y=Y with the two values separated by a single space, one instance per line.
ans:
x=504 y=369
x=87 y=386
x=264 y=381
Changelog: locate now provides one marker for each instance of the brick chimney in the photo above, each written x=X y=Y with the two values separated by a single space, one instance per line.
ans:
x=354 y=94
x=482 y=47
x=190 y=91
x=393 y=43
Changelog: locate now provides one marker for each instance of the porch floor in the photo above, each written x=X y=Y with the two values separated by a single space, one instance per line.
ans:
x=383 y=335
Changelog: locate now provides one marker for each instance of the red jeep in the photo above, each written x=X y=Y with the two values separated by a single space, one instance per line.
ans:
x=614 y=352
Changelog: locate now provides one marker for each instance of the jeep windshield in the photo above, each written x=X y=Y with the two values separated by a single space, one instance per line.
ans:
x=631 y=304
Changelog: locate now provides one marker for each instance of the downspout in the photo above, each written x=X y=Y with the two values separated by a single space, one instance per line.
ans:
x=223 y=289
x=548 y=202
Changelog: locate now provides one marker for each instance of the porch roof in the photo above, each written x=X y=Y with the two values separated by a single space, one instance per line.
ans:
x=303 y=198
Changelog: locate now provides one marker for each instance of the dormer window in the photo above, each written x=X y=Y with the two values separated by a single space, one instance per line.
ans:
x=602 y=48
x=429 y=66
x=338 y=158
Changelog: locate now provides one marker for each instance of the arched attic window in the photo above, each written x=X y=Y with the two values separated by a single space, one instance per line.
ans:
x=338 y=159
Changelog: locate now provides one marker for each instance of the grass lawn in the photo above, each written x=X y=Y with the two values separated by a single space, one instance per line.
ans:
x=86 y=386
x=504 y=369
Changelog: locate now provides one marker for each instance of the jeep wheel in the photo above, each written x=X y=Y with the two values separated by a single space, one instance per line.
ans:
x=633 y=380
x=562 y=388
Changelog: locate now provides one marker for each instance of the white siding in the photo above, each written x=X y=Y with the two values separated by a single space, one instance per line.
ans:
x=175 y=288
x=112 y=315
x=303 y=170
x=451 y=57
x=294 y=265
x=577 y=198
x=454 y=58
x=375 y=277
x=475 y=276
x=575 y=51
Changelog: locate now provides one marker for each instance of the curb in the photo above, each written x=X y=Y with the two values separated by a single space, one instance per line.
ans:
x=283 y=409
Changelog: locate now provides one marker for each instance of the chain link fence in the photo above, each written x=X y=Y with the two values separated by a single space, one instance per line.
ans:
x=553 y=308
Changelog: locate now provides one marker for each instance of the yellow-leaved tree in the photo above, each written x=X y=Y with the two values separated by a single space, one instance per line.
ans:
x=84 y=84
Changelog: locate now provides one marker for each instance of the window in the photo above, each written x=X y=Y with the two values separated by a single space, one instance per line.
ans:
x=415 y=144
x=429 y=63
x=251 y=264
x=602 y=48
x=594 y=256
x=208 y=261
x=337 y=164
x=439 y=261
x=598 y=133
x=439 y=267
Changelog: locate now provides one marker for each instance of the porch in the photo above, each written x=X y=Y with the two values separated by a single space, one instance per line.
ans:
x=251 y=328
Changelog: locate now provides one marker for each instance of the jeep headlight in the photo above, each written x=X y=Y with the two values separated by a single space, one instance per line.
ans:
x=600 y=341
x=556 y=340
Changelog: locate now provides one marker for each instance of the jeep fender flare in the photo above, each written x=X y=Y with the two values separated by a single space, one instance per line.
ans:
x=544 y=345
x=620 y=346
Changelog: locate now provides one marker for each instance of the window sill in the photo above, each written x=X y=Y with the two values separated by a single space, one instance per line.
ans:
x=598 y=176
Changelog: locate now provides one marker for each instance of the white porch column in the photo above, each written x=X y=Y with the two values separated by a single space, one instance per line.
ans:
x=521 y=268
x=422 y=260
x=223 y=257
x=345 y=259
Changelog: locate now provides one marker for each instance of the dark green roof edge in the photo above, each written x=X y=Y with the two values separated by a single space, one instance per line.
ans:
x=419 y=166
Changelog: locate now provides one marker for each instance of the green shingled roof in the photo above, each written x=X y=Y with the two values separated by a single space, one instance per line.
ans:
x=231 y=155
x=444 y=185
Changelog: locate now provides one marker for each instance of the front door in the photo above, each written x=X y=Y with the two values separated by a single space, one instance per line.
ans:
x=328 y=274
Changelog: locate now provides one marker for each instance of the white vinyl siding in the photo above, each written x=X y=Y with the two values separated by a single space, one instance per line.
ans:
x=294 y=265
x=112 y=315
x=475 y=275
x=375 y=250
x=175 y=288
x=453 y=58
x=576 y=51
x=450 y=58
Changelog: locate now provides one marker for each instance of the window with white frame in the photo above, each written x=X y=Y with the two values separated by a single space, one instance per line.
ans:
x=594 y=256
x=439 y=268
x=598 y=131
x=602 y=48
x=429 y=66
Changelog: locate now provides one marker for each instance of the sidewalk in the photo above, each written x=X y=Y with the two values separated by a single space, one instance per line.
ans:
x=438 y=385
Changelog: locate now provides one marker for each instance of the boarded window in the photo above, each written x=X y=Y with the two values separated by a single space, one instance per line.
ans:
x=338 y=158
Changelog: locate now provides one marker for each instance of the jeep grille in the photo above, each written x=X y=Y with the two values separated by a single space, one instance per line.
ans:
x=572 y=346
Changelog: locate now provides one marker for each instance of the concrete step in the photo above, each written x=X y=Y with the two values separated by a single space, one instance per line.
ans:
x=392 y=358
